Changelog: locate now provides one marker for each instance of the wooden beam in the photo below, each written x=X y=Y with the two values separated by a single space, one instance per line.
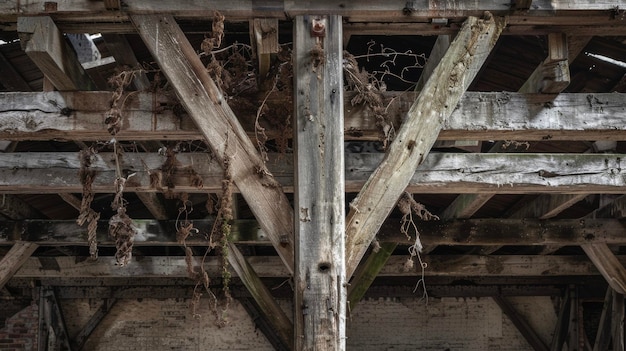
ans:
x=201 y=97
x=453 y=232
x=617 y=321
x=81 y=338
x=154 y=205
x=552 y=76
x=11 y=78
x=478 y=116
x=601 y=255
x=261 y=294
x=603 y=335
x=71 y=200
x=436 y=55
x=264 y=40
x=14 y=259
x=13 y=207
x=608 y=264
x=562 y=324
x=418 y=133
x=456 y=266
x=367 y=272
x=447 y=173
x=521 y=324
x=124 y=56
x=44 y=44
x=53 y=334
x=547 y=206
x=262 y=323
x=556 y=11
x=319 y=195
x=465 y=206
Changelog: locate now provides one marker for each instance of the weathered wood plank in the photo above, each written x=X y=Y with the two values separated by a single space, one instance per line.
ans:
x=441 y=173
x=547 y=206
x=562 y=324
x=44 y=44
x=124 y=56
x=264 y=41
x=608 y=264
x=617 y=321
x=552 y=75
x=603 y=335
x=457 y=232
x=168 y=267
x=201 y=97
x=367 y=272
x=320 y=280
x=79 y=340
x=417 y=134
x=396 y=10
x=521 y=324
x=13 y=207
x=478 y=116
x=14 y=259
x=261 y=294
x=154 y=205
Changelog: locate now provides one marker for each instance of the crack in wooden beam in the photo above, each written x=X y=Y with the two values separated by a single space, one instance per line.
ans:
x=477 y=116
x=201 y=97
x=448 y=173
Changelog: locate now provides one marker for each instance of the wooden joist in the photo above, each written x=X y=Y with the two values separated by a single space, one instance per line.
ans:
x=457 y=232
x=262 y=295
x=220 y=128
x=14 y=259
x=611 y=268
x=547 y=206
x=448 y=173
x=319 y=188
x=13 y=207
x=125 y=57
x=44 y=44
x=542 y=12
x=552 y=75
x=521 y=324
x=478 y=116
x=461 y=266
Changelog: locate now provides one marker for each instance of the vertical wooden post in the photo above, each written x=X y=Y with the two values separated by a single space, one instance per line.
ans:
x=320 y=297
x=617 y=323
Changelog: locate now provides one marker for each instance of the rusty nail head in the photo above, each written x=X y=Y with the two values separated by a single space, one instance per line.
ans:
x=318 y=27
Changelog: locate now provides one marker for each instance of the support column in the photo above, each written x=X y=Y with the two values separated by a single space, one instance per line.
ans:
x=320 y=297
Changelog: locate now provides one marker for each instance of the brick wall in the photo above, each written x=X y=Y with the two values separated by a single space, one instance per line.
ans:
x=378 y=324
x=20 y=331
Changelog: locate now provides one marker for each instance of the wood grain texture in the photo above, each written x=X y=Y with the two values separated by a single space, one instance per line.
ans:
x=261 y=294
x=477 y=116
x=45 y=45
x=449 y=173
x=417 y=134
x=220 y=128
x=319 y=194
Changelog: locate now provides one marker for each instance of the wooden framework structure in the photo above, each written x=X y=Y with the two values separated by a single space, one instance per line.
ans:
x=513 y=138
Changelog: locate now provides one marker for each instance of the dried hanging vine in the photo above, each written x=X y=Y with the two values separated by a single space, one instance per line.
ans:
x=87 y=214
x=121 y=227
x=409 y=207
